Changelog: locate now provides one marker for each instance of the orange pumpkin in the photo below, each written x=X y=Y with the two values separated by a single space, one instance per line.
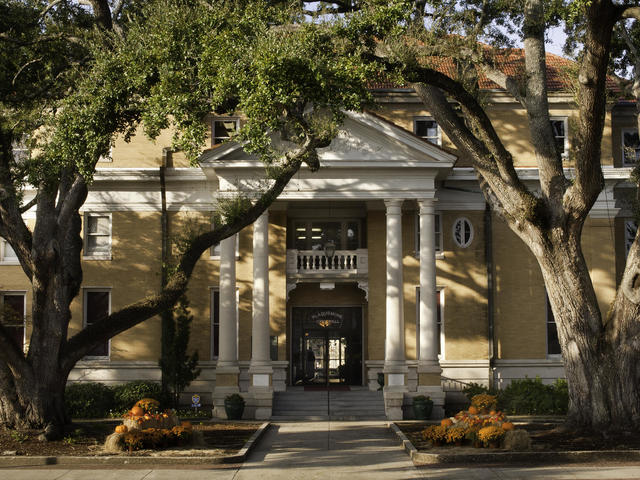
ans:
x=508 y=426
x=473 y=410
x=492 y=412
x=446 y=422
x=137 y=411
x=122 y=429
x=186 y=424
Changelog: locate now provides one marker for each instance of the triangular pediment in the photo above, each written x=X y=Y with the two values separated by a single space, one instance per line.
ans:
x=364 y=140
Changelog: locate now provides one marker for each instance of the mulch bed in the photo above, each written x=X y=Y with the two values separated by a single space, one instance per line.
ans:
x=87 y=438
x=544 y=437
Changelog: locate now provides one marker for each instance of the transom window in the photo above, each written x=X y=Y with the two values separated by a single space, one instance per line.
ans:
x=427 y=128
x=223 y=129
x=560 y=128
x=630 y=146
x=315 y=234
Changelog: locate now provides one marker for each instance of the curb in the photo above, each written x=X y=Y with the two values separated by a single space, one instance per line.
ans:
x=421 y=458
x=35 y=461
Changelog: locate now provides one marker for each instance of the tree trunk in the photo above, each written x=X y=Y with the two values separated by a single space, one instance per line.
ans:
x=600 y=360
x=35 y=402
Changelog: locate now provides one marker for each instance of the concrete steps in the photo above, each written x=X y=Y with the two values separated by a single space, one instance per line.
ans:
x=358 y=404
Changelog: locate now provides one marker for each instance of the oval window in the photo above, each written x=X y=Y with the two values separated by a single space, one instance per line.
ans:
x=462 y=232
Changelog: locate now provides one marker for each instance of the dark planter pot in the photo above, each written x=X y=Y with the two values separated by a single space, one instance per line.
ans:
x=422 y=409
x=233 y=410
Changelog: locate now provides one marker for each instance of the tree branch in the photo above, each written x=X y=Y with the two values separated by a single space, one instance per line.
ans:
x=27 y=206
x=552 y=180
x=82 y=342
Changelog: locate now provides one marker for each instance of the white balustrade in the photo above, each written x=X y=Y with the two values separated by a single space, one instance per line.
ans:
x=315 y=262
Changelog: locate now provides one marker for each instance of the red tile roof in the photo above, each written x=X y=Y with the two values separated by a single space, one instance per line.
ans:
x=511 y=63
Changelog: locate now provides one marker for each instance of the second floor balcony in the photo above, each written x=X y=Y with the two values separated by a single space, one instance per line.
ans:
x=322 y=264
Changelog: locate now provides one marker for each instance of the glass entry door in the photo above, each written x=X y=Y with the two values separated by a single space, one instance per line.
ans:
x=327 y=346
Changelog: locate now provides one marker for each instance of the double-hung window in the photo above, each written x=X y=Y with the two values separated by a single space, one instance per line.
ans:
x=427 y=128
x=437 y=227
x=438 y=319
x=223 y=128
x=7 y=254
x=630 y=147
x=97 y=307
x=215 y=321
x=560 y=127
x=97 y=235
x=13 y=315
x=553 y=343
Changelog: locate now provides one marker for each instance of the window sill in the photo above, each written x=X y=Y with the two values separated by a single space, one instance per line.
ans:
x=97 y=257
x=96 y=359
x=10 y=262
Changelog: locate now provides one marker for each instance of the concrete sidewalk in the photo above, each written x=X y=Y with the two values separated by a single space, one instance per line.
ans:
x=322 y=450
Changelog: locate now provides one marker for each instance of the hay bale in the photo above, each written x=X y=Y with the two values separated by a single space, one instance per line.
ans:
x=114 y=443
x=517 y=440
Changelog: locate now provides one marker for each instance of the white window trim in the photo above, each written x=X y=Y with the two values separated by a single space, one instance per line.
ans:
x=439 y=136
x=416 y=237
x=3 y=261
x=440 y=290
x=622 y=133
x=24 y=313
x=222 y=119
x=96 y=256
x=211 y=318
x=565 y=120
x=86 y=290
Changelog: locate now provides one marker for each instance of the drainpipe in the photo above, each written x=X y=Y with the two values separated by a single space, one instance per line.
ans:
x=166 y=315
x=488 y=254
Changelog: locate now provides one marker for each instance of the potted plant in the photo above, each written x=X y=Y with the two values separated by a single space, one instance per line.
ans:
x=234 y=406
x=422 y=407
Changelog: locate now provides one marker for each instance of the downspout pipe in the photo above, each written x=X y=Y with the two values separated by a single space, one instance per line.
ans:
x=166 y=316
x=488 y=253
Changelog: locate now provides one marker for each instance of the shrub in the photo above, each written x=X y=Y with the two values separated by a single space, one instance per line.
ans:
x=126 y=395
x=88 y=400
x=530 y=396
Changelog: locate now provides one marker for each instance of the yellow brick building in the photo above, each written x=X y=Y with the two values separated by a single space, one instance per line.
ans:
x=327 y=288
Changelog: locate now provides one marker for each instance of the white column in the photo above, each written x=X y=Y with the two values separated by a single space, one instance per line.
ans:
x=228 y=346
x=394 y=341
x=428 y=354
x=429 y=371
x=260 y=327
